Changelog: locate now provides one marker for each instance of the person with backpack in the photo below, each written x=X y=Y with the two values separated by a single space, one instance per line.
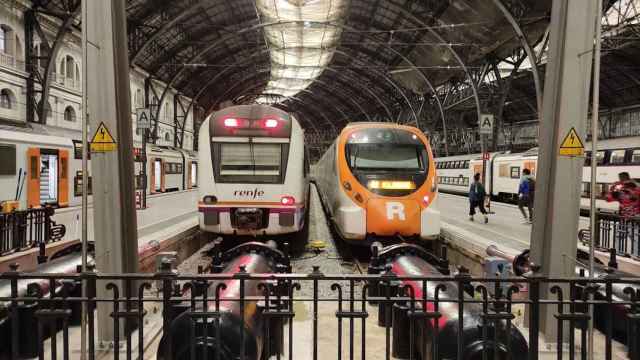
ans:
x=476 y=198
x=526 y=194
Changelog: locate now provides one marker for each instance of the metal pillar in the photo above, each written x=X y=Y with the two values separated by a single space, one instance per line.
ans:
x=113 y=175
x=566 y=100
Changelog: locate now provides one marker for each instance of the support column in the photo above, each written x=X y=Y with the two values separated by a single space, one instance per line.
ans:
x=559 y=178
x=114 y=210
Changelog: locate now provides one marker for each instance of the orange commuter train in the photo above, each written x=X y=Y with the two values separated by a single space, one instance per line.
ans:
x=377 y=181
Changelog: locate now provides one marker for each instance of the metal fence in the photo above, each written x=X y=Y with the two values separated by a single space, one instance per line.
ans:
x=26 y=229
x=315 y=316
x=615 y=232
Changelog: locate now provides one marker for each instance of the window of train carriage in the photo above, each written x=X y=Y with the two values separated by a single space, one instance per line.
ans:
x=635 y=156
x=515 y=172
x=601 y=157
x=587 y=158
x=77 y=150
x=617 y=157
x=77 y=184
x=466 y=164
x=586 y=187
x=7 y=159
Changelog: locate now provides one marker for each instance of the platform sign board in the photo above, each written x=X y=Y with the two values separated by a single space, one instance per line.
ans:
x=572 y=145
x=143 y=118
x=485 y=124
x=102 y=140
x=486 y=156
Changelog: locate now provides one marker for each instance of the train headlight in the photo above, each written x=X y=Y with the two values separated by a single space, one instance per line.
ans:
x=426 y=199
x=271 y=123
x=231 y=122
x=347 y=185
x=391 y=185
x=288 y=200
x=210 y=199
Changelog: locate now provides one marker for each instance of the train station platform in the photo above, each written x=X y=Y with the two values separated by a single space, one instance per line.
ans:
x=506 y=229
x=168 y=219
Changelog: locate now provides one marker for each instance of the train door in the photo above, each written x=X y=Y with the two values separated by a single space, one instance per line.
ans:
x=531 y=165
x=193 y=174
x=48 y=177
x=157 y=176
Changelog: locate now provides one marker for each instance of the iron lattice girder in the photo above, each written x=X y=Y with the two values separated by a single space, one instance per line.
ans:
x=66 y=12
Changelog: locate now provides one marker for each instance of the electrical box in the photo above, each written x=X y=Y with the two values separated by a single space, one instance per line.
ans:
x=495 y=267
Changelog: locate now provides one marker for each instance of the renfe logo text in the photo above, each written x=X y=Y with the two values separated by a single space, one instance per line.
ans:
x=253 y=194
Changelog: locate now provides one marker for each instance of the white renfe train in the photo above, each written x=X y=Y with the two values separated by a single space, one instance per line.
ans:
x=504 y=170
x=254 y=177
x=38 y=169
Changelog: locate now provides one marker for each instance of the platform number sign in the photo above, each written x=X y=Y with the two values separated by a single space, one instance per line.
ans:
x=572 y=145
x=143 y=117
x=485 y=124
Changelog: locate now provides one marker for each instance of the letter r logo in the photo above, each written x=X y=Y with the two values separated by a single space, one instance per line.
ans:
x=395 y=208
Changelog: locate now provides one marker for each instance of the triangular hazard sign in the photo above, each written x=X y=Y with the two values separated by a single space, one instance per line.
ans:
x=102 y=136
x=572 y=145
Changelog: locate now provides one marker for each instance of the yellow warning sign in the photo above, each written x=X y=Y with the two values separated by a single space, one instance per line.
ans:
x=102 y=140
x=572 y=145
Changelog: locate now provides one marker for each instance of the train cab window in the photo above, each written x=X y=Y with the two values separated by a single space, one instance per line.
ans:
x=635 y=156
x=617 y=157
x=262 y=163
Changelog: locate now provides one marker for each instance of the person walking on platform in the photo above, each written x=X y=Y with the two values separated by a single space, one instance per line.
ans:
x=526 y=192
x=476 y=198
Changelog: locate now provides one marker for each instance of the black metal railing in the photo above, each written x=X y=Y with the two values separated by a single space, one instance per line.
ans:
x=25 y=229
x=615 y=232
x=326 y=316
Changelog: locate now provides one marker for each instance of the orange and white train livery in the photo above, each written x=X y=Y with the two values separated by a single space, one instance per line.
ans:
x=377 y=180
x=254 y=172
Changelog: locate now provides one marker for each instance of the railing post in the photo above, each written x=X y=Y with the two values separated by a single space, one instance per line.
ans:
x=534 y=311
x=167 y=275
x=15 y=327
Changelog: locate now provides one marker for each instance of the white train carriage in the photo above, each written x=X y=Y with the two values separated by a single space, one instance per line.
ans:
x=254 y=177
x=505 y=169
x=38 y=168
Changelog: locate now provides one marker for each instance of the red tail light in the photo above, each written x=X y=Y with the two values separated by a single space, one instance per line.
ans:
x=231 y=122
x=288 y=200
x=271 y=123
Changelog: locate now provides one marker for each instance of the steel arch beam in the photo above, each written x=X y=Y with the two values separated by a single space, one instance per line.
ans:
x=259 y=27
x=527 y=48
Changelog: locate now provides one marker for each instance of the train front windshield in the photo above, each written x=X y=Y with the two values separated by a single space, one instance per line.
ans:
x=390 y=162
x=250 y=162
